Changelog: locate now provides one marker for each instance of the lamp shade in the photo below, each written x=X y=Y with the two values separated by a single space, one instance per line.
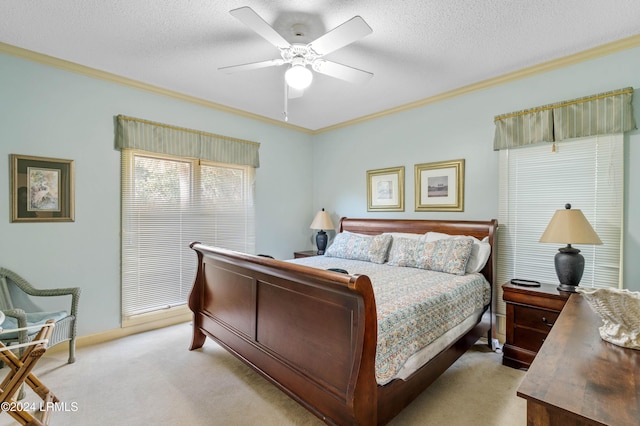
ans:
x=298 y=76
x=322 y=221
x=569 y=226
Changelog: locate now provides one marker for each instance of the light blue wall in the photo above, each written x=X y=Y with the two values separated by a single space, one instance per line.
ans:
x=49 y=112
x=462 y=127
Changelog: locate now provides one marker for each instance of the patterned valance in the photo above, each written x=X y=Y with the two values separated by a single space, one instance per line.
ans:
x=135 y=133
x=601 y=114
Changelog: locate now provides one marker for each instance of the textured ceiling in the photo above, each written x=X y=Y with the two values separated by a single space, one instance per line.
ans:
x=418 y=48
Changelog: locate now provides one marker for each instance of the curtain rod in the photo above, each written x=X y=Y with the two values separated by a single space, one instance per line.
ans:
x=183 y=129
x=565 y=103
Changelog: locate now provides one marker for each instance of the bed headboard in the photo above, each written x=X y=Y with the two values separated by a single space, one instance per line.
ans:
x=478 y=229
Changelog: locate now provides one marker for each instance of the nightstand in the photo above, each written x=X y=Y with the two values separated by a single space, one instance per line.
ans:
x=531 y=312
x=306 y=253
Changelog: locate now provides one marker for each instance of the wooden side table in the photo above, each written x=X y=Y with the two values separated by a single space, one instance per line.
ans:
x=305 y=253
x=531 y=312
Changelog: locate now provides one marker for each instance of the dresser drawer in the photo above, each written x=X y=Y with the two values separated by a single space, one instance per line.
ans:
x=539 y=319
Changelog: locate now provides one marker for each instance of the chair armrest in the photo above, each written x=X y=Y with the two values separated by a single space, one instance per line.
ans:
x=18 y=314
x=24 y=285
x=21 y=316
x=74 y=292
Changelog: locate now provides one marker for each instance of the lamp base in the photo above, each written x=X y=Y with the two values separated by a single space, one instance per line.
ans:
x=569 y=268
x=321 y=241
x=567 y=288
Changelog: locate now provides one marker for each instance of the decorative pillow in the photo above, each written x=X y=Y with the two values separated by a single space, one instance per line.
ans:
x=369 y=248
x=445 y=255
x=480 y=250
x=404 y=235
x=451 y=255
x=410 y=252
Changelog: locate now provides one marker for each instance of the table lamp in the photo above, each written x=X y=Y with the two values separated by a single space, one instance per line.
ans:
x=322 y=221
x=569 y=227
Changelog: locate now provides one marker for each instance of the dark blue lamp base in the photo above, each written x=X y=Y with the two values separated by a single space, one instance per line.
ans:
x=321 y=241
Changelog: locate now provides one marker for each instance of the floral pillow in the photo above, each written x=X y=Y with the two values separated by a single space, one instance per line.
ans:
x=369 y=248
x=451 y=256
x=410 y=252
x=446 y=255
x=480 y=251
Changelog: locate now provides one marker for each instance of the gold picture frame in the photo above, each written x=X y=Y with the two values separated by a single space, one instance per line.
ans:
x=41 y=189
x=439 y=186
x=385 y=190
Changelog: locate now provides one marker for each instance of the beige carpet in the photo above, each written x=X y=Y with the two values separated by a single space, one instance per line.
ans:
x=152 y=378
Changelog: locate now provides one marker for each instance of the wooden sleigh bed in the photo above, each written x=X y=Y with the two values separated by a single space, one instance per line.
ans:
x=313 y=332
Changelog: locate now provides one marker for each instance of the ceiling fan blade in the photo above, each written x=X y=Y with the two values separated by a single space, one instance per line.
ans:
x=294 y=93
x=251 y=19
x=252 y=66
x=343 y=72
x=346 y=33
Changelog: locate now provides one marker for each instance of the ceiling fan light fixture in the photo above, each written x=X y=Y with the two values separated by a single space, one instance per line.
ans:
x=298 y=76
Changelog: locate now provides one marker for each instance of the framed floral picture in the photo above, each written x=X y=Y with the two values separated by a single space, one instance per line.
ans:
x=439 y=186
x=41 y=189
x=385 y=190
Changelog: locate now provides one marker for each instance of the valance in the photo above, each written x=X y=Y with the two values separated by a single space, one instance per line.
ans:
x=135 y=133
x=524 y=128
x=601 y=114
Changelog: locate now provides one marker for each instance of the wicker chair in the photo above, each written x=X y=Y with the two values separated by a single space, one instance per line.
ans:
x=20 y=311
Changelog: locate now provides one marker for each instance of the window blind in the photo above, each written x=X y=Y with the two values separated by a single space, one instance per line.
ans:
x=167 y=203
x=534 y=183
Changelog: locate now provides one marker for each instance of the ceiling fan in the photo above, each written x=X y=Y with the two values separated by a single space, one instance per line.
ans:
x=299 y=55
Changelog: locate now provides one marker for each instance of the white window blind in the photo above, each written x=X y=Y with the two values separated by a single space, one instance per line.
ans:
x=535 y=182
x=167 y=203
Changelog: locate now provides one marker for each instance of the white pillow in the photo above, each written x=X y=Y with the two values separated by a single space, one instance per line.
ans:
x=480 y=250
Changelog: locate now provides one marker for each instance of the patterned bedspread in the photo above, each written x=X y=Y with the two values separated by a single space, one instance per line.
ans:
x=414 y=306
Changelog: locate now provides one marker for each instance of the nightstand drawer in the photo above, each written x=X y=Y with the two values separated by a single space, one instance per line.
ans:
x=529 y=339
x=538 y=319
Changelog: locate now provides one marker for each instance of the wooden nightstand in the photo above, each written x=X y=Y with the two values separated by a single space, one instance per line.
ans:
x=531 y=312
x=306 y=253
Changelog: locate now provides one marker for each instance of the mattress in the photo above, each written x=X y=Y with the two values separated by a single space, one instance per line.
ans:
x=419 y=312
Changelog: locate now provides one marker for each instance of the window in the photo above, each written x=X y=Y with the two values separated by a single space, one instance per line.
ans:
x=167 y=203
x=535 y=182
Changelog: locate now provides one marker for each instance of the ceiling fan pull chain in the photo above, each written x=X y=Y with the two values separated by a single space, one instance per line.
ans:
x=286 y=102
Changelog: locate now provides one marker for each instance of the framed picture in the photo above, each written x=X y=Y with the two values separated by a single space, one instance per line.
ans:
x=385 y=190
x=41 y=189
x=440 y=186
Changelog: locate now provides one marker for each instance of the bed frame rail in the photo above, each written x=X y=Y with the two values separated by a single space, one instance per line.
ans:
x=310 y=332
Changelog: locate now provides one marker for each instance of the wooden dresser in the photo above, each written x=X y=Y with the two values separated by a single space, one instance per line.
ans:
x=579 y=379
x=531 y=312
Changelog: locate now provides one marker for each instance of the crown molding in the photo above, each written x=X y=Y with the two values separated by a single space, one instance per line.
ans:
x=593 y=53
x=124 y=81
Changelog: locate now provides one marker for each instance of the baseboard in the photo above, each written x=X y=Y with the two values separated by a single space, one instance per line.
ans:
x=117 y=333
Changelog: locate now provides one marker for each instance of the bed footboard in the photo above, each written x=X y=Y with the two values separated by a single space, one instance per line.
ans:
x=310 y=332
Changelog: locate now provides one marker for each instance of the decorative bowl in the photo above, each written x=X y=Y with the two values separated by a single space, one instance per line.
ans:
x=620 y=313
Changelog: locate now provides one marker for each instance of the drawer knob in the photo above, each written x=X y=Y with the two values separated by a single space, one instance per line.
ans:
x=544 y=320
